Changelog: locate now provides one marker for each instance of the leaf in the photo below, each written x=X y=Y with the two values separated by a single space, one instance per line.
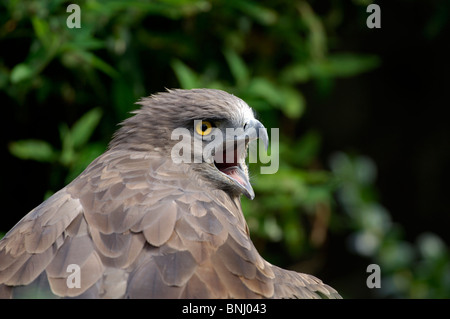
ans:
x=186 y=76
x=317 y=37
x=172 y=9
x=67 y=152
x=92 y=60
x=31 y=149
x=237 y=67
x=264 y=88
x=42 y=30
x=20 y=73
x=294 y=103
x=346 y=65
x=272 y=229
x=261 y=14
x=431 y=246
x=101 y=65
x=297 y=73
x=288 y=100
x=82 y=130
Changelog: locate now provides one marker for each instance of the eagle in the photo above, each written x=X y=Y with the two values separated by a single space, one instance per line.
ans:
x=142 y=221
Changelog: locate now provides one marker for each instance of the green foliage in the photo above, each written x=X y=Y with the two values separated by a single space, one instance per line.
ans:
x=264 y=52
x=76 y=152
x=420 y=270
x=36 y=150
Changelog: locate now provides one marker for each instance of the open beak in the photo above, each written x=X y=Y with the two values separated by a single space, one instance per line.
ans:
x=232 y=161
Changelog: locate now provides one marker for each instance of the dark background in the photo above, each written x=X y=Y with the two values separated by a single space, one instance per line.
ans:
x=396 y=114
x=393 y=112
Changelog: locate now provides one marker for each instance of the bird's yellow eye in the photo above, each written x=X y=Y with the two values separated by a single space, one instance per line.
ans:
x=203 y=128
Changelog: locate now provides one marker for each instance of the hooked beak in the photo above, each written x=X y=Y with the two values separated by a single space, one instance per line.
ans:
x=232 y=161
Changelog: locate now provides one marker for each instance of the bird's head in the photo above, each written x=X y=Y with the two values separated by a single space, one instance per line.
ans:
x=205 y=128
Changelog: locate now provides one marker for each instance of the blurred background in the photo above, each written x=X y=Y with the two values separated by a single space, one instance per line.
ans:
x=364 y=140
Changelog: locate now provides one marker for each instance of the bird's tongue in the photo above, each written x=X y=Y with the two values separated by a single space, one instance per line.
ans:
x=239 y=176
x=236 y=174
x=231 y=167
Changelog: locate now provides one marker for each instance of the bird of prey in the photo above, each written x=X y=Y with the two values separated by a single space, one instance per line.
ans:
x=138 y=223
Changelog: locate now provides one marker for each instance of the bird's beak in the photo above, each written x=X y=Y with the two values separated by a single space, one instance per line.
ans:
x=236 y=145
x=256 y=127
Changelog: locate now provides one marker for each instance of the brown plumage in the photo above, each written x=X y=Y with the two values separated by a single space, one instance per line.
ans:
x=139 y=225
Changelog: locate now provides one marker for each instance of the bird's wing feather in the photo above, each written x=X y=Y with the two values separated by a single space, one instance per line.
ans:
x=39 y=240
x=87 y=224
x=291 y=284
x=138 y=227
